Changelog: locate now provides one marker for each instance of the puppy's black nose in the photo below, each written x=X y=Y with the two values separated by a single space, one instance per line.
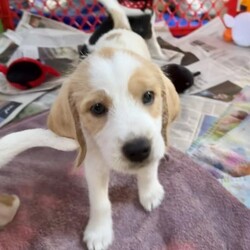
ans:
x=137 y=150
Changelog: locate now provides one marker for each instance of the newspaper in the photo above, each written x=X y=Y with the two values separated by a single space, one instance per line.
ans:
x=189 y=52
x=197 y=114
x=39 y=31
x=46 y=37
x=10 y=106
x=224 y=72
x=224 y=148
x=30 y=21
x=62 y=59
x=224 y=69
x=54 y=44
x=226 y=144
x=235 y=139
x=205 y=50
x=4 y=43
x=208 y=42
x=34 y=32
x=197 y=41
x=229 y=120
x=225 y=91
x=232 y=151
x=211 y=74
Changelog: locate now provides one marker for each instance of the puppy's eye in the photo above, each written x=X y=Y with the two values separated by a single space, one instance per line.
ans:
x=148 y=97
x=98 y=109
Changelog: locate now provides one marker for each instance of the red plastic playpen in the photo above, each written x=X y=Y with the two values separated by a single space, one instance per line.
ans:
x=182 y=16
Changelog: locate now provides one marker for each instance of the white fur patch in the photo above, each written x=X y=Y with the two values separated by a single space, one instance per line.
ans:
x=15 y=143
x=112 y=74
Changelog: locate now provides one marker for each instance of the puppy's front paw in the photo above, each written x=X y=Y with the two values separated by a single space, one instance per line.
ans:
x=152 y=198
x=98 y=236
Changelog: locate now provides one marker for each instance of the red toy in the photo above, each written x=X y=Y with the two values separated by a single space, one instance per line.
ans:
x=26 y=73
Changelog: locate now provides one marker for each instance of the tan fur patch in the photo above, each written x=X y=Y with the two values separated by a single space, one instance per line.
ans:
x=71 y=110
x=64 y=118
x=91 y=122
x=172 y=98
x=171 y=105
x=61 y=117
x=145 y=79
x=7 y=199
x=166 y=104
x=113 y=36
x=107 y=53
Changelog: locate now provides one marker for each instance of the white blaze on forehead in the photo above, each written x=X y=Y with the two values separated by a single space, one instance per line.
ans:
x=128 y=117
x=113 y=73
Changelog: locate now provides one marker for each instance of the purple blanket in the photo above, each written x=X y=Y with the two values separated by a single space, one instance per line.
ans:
x=196 y=214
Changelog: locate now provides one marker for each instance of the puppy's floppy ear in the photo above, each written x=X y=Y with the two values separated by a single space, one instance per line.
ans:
x=64 y=120
x=170 y=105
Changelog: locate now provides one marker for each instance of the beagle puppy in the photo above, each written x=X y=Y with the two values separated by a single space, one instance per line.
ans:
x=116 y=108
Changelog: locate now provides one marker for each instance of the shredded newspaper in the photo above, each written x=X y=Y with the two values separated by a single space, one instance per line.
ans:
x=54 y=44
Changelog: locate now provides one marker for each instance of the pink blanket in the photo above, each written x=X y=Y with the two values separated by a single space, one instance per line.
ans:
x=197 y=212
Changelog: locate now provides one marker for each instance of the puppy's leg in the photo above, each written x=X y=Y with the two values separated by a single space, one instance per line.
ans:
x=151 y=192
x=153 y=45
x=98 y=234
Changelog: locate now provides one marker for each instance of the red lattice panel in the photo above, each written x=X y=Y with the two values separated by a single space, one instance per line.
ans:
x=182 y=16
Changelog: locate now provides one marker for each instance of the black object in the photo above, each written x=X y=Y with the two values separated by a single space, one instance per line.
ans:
x=188 y=57
x=137 y=150
x=181 y=77
x=25 y=73
x=139 y=24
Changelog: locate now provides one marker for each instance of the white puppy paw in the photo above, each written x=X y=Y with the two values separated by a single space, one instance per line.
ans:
x=152 y=198
x=98 y=236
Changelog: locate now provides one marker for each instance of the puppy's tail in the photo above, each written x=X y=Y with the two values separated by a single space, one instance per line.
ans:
x=15 y=143
x=117 y=13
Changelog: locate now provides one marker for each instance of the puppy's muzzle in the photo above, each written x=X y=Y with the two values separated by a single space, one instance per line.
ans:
x=137 y=150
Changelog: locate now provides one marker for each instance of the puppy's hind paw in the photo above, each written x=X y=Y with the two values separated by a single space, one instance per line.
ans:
x=98 y=237
x=153 y=198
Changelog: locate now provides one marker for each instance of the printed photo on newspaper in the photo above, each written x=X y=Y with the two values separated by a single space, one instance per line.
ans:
x=197 y=113
x=229 y=127
x=225 y=91
x=46 y=47
x=224 y=148
x=231 y=153
x=11 y=106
